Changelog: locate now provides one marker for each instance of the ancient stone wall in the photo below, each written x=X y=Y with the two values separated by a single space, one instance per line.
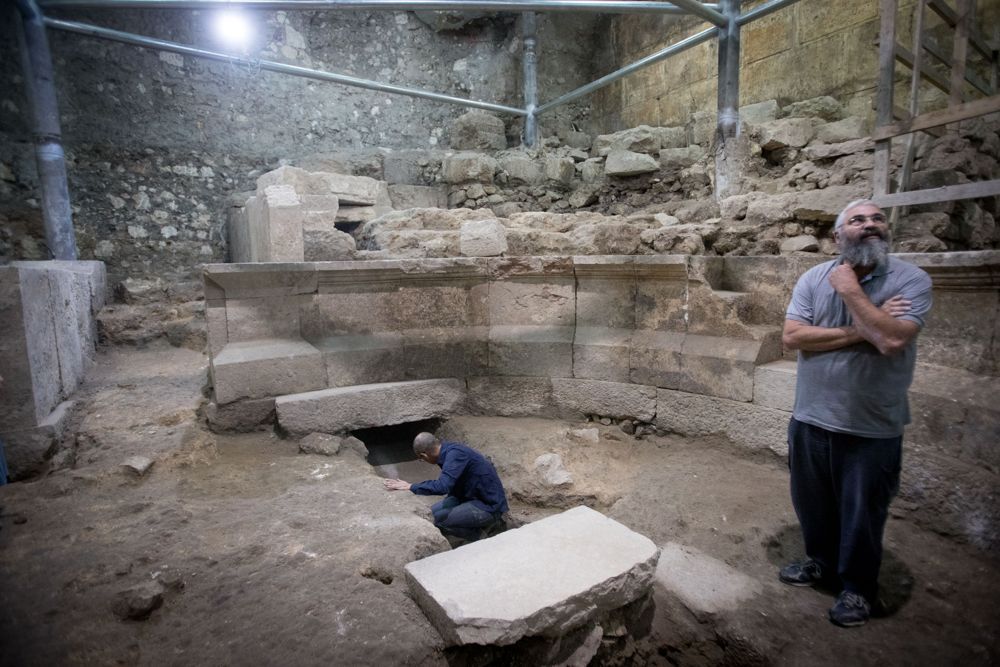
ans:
x=813 y=48
x=684 y=344
x=157 y=141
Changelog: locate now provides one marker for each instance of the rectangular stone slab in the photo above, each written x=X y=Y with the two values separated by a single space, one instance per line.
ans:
x=543 y=579
x=363 y=406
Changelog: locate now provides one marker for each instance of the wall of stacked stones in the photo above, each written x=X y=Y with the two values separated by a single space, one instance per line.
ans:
x=157 y=142
x=810 y=49
x=689 y=345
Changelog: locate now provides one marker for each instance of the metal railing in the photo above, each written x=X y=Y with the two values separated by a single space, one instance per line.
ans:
x=724 y=16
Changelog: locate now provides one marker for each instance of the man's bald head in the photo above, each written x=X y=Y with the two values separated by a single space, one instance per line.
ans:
x=426 y=443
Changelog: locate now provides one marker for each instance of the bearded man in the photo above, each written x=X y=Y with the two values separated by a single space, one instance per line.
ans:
x=854 y=322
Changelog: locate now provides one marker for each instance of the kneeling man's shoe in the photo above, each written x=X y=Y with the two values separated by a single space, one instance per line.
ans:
x=850 y=611
x=807 y=573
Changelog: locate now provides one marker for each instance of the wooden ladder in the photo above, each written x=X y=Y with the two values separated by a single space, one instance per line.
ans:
x=969 y=96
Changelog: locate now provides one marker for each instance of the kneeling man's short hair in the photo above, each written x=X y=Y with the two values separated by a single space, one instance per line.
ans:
x=424 y=443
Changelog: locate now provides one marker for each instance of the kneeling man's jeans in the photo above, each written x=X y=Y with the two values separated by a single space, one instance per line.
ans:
x=463 y=520
x=842 y=485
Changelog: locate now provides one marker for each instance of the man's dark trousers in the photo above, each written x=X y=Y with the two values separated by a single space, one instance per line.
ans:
x=464 y=520
x=842 y=485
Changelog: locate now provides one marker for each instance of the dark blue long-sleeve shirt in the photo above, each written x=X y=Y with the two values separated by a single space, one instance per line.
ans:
x=467 y=475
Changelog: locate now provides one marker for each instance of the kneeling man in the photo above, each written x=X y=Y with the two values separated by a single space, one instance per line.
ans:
x=474 y=501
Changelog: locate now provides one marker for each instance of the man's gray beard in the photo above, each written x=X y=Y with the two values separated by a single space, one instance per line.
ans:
x=865 y=252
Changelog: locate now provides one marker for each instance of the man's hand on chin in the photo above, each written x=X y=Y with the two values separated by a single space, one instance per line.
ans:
x=843 y=279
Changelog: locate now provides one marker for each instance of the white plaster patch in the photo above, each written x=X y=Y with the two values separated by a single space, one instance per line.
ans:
x=184 y=170
x=141 y=200
x=175 y=59
x=206 y=172
x=116 y=202
x=137 y=232
x=294 y=38
x=104 y=249
x=169 y=232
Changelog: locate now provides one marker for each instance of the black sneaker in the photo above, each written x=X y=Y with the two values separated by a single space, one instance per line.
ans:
x=807 y=573
x=850 y=611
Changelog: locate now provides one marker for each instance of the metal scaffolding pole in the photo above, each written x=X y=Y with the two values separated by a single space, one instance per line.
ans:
x=148 y=42
x=529 y=68
x=705 y=11
x=728 y=100
x=36 y=62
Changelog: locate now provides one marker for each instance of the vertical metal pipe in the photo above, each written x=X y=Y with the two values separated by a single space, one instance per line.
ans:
x=728 y=122
x=36 y=62
x=529 y=65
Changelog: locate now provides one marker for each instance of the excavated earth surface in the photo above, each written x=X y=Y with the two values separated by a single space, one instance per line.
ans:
x=239 y=550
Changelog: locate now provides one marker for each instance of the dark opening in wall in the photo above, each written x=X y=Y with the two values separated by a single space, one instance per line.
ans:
x=389 y=445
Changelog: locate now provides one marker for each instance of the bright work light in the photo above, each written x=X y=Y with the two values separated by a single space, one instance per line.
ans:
x=233 y=28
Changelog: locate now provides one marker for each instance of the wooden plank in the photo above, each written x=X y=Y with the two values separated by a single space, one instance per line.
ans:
x=949 y=16
x=903 y=182
x=898 y=113
x=960 y=52
x=886 y=61
x=934 y=195
x=883 y=167
x=970 y=76
x=979 y=107
x=905 y=56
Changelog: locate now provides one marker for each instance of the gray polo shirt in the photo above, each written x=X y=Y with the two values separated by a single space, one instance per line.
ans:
x=856 y=389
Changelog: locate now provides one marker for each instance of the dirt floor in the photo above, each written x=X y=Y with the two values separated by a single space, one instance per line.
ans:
x=238 y=550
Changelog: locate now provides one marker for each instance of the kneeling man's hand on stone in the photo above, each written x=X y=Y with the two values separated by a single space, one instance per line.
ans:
x=395 y=485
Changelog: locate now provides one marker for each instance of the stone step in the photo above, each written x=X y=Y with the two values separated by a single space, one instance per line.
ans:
x=558 y=574
x=266 y=367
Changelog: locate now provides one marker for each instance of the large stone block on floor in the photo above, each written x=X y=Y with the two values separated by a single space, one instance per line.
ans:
x=47 y=335
x=363 y=406
x=608 y=399
x=263 y=368
x=746 y=424
x=558 y=573
x=705 y=585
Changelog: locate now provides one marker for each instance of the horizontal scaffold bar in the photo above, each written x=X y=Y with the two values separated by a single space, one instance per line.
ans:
x=704 y=10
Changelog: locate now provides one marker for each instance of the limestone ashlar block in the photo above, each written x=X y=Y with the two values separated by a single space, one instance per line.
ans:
x=746 y=424
x=716 y=366
x=661 y=293
x=510 y=396
x=417 y=196
x=608 y=399
x=601 y=353
x=282 y=219
x=353 y=359
x=350 y=190
x=531 y=350
x=656 y=358
x=32 y=382
x=364 y=406
x=606 y=290
x=238 y=281
x=558 y=574
x=67 y=305
x=263 y=318
x=533 y=301
x=774 y=385
x=241 y=416
x=265 y=368
x=955 y=414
